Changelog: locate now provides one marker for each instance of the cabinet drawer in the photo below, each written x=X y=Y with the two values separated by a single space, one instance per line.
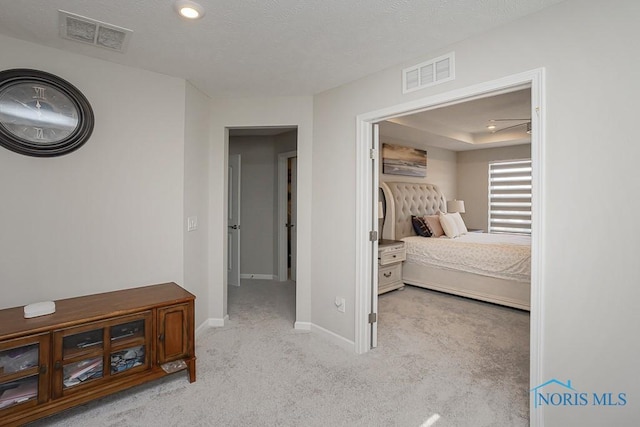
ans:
x=390 y=274
x=391 y=256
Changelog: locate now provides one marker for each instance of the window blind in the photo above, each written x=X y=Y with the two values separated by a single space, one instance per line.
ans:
x=510 y=197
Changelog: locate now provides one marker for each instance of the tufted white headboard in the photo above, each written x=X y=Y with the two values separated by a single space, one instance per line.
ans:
x=405 y=199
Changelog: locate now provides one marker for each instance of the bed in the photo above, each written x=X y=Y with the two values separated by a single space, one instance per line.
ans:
x=487 y=267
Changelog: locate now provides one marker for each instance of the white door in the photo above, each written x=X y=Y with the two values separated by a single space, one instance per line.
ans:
x=233 y=222
x=374 y=244
x=294 y=216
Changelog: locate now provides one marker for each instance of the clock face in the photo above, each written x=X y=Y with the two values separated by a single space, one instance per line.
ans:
x=37 y=112
x=41 y=114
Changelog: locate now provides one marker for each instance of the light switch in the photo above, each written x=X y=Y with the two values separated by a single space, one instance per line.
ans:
x=192 y=223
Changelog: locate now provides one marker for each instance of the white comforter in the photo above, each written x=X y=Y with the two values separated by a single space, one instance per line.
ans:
x=503 y=256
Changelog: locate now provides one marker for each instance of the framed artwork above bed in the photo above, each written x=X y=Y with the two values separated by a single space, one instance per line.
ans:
x=400 y=160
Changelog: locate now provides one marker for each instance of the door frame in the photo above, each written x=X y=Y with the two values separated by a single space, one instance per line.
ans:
x=365 y=199
x=236 y=248
x=283 y=159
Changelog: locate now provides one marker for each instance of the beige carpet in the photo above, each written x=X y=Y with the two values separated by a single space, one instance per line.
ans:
x=442 y=361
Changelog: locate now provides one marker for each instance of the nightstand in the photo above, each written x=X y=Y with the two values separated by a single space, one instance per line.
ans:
x=391 y=253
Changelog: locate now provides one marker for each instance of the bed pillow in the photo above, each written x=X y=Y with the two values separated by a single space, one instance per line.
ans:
x=462 y=228
x=433 y=224
x=449 y=225
x=420 y=226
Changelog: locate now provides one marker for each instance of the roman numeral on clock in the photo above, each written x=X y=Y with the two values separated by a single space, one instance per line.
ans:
x=39 y=90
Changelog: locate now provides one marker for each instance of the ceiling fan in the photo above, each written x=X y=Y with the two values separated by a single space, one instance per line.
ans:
x=525 y=122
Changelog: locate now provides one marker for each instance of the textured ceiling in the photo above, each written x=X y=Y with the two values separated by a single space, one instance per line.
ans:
x=269 y=47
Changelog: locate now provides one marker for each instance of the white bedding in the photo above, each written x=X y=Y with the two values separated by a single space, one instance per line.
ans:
x=504 y=256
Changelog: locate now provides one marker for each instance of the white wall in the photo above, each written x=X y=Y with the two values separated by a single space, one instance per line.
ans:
x=441 y=167
x=259 y=112
x=590 y=282
x=196 y=198
x=473 y=180
x=109 y=215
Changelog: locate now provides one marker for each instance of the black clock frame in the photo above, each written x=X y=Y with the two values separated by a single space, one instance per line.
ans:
x=71 y=143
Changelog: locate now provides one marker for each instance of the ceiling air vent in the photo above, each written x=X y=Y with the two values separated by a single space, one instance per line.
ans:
x=87 y=30
x=429 y=73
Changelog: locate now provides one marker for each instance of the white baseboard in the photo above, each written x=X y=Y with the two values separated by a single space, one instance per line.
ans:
x=203 y=327
x=211 y=323
x=335 y=338
x=259 y=276
x=302 y=326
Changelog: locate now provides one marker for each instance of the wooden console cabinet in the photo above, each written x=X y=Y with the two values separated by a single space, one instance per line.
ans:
x=92 y=346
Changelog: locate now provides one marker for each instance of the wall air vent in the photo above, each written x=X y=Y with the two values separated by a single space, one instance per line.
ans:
x=429 y=73
x=89 y=31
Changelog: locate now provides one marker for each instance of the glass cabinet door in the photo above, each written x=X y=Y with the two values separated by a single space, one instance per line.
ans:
x=90 y=354
x=129 y=338
x=79 y=372
x=18 y=391
x=18 y=359
x=23 y=369
x=80 y=358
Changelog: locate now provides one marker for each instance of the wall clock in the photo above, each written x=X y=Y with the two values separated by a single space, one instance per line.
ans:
x=41 y=114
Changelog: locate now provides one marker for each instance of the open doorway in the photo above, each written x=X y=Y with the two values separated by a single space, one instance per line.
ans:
x=254 y=244
x=367 y=200
x=442 y=278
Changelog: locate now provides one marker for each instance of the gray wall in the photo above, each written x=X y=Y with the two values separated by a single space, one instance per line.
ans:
x=196 y=198
x=109 y=215
x=473 y=180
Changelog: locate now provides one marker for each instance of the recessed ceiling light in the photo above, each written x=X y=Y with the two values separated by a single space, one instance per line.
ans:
x=189 y=9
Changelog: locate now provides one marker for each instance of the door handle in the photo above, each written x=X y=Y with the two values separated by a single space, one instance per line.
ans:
x=234 y=227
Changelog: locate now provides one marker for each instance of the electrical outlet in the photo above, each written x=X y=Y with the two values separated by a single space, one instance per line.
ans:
x=340 y=304
x=192 y=223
